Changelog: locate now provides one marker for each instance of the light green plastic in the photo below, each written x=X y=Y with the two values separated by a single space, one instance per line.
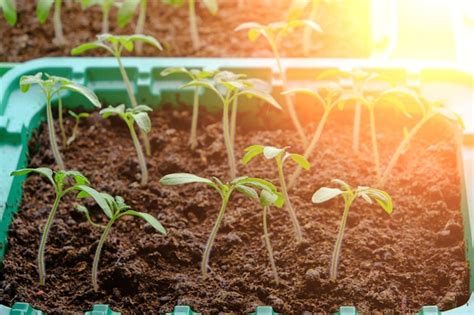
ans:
x=22 y=113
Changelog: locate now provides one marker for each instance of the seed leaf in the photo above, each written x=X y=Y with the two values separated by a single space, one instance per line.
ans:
x=102 y=199
x=247 y=191
x=84 y=91
x=42 y=9
x=150 y=40
x=251 y=152
x=325 y=193
x=271 y=152
x=258 y=182
x=148 y=218
x=143 y=121
x=46 y=172
x=261 y=95
x=88 y=46
x=211 y=6
x=27 y=80
x=173 y=70
x=183 y=178
x=267 y=198
x=126 y=12
x=109 y=111
x=300 y=160
x=9 y=11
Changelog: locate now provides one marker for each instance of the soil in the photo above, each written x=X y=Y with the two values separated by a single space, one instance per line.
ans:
x=345 y=26
x=390 y=264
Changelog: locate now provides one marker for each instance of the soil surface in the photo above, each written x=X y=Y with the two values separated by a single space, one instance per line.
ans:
x=345 y=31
x=394 y=263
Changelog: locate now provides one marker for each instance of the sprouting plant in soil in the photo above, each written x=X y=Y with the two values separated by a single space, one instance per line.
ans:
x=274 y=33
x=42 y=11
x=428 y=110
x=228 y=86
x=245 y=185
x=138 y=115
x=105 y=7
x=297 y=10
x=195 y=75
x=75 y=130
x=127 y=11
x=115 y=44
x=349 y=195
x=8 y=7
x=63 y=183
x=114 y=209
x=280 y=156
x=211 y=5
x=53 y=86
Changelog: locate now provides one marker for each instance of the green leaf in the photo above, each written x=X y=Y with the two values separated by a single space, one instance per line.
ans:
x=150 y=40
x=247 y=191
x=110 y=110
x=88 y=46
x=141 y=108
x=342 y=183
x=205 y=84
x=78 y=177
x=211 y=6
x=176 y=3
x=173 y=70
x=102 y=199
x=126 y=12
x=43 y=171
x=42 y=9
x=148 y=218
x=271 y=152
x=9 y=11
x=381 y=197
x=88 y=93
x=27 y=80
x=251 y=152
x=267 y=198
x=257 y=182
x=300 y=160
x=183 y=178
x=261 y=95
x=143 y=121
x=325 y=193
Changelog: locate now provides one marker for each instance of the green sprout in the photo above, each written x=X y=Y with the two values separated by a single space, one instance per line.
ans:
x=245 y=185
x=274 y=33
x=75 y=129
x=9 y=11
x=42 y=11
x=127 y=11
x=114 y=209
x=334 y=97
x=211 y=5
x=63 y=183
x=228 y=86
x=428 y=109
x=195 y=75
x=280 y=156
x=51 y=86
x=349 y=194
x=115 y=46
x=131 y=116
x=297 y=9
x=105 y=7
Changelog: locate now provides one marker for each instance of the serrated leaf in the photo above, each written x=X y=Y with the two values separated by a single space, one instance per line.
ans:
x=300 y=160
x=42 y=9
x=143 y=121
x=325 y=193
x=251 y=152
x=148 y=218
x=183 y=178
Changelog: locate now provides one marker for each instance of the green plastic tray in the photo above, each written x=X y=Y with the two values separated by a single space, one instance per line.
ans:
x=22 y=113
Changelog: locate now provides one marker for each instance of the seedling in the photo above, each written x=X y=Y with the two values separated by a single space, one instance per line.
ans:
x=280 y=156
x=51 y=86
x=195 y=75
x=115 y=44
x=63 y=182
x=245 y=185
x=75 y=129
x=211 y=5
x=228 y=86
x=114 y=209
x=131 y=116
x=9 y=11
x=428 y=109
x=275 y=33
x=42 y=11
x=126 y=13
x=297 y=9
x=349 y=194
x=105 y=6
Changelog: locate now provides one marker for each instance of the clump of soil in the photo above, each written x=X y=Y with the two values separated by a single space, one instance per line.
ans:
x=345 y=33
x=394 y=263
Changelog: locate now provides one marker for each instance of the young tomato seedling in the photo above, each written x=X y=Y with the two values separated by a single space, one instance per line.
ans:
x=195 y=75
x=131 y=116
x=127 y=11
x=115 y=46
x=114 y=209
x=42 y=11
x=274 y=33
x=51 y=86
x=349 y=194
x=229 y=86
x=105 y=7
x=280 y=156
x=75 y=129
x=428 y=109
x=9 y=11
x=244 y=185
x=63 y=183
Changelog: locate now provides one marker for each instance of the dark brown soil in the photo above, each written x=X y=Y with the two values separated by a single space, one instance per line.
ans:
x=394 y=263
x=345 y=26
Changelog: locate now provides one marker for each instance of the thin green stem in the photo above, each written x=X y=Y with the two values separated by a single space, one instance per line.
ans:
x=95 y=264
x=340 y=235
x=289 y=101
x=44 y=239
x=141 y=23
x=212 y=236
x=52 y=134
x=75 y=130
x=193 y=29
x=105 y=20
x=58 y=27
x=375 y=148
x=133 y=101
x=140 y=155
x=288 y=205
x=193 y=134
x=61 y=120
x=227 y=140
x=312 y=146
x=268 y=244
x=233 y=121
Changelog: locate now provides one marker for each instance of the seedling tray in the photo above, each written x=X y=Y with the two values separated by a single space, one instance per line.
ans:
x=21 y=114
